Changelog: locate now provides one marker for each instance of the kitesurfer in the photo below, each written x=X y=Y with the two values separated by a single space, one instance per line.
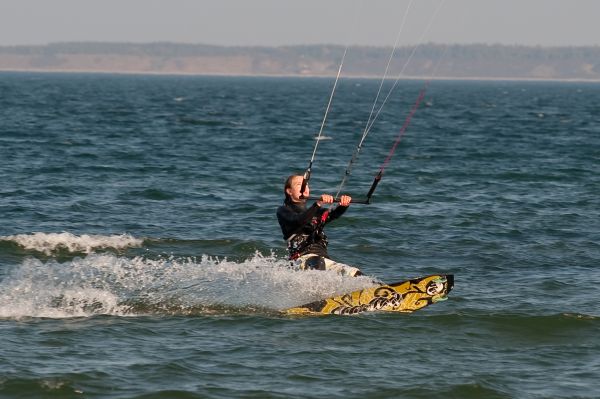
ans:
x=302 y=227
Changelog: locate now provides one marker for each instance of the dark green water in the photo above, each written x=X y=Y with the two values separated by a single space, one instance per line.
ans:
x=140 y=256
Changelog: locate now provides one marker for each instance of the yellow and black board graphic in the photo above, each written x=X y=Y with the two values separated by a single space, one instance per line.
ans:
x=405 y=296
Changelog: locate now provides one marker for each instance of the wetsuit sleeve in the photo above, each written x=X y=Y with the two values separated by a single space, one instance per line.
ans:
x=291 y=221
x=336 y=213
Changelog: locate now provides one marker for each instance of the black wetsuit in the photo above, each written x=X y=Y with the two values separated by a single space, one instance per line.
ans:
x=303 y=228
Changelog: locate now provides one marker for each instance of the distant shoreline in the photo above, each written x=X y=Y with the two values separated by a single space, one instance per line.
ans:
x=406 y=78
x=443 y=62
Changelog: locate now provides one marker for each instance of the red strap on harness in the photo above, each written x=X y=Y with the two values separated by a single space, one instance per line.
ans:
x=324 y=216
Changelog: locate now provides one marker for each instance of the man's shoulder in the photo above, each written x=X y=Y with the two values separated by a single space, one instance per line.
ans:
x=284 y=210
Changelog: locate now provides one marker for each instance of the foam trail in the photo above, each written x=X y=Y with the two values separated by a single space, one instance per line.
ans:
x=49 y=243
x=112 y=285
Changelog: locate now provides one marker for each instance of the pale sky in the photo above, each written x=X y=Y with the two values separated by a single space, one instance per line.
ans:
x=285 y=22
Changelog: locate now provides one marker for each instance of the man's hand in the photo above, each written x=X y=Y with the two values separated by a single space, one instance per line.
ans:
x=328 y=199
x=325 y=199
x=345 y=200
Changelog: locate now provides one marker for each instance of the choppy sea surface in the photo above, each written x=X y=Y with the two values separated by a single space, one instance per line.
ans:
x=140 y=255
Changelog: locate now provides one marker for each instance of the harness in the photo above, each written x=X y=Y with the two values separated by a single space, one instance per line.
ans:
x=297 y=243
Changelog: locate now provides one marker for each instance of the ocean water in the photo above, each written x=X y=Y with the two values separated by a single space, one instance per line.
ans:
x=140 y=255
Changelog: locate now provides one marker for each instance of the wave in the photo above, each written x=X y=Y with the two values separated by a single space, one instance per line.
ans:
x=517 y=328
x=65 y=245
x=107 y=284
x=51 y=243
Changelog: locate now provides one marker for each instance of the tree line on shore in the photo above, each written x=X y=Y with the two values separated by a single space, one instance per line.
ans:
x=437 y=60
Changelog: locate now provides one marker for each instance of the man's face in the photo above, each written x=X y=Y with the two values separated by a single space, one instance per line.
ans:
x=294 y=190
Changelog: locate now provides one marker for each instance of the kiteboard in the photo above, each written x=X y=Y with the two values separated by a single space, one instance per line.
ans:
x=405 y=296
